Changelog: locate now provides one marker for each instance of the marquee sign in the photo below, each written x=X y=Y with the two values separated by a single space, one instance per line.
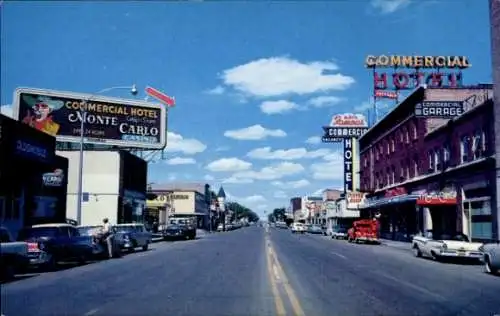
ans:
x=427 y=70
x=439 y=109
x=355 y=199
x=345 y=126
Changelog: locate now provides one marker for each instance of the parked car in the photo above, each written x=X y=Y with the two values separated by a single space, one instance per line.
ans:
x=220 y=227
x=298 y=228
x=315 y=230
x=102 y=247
x=339 y=233
x=176 y=232
x=13 y=256
x=49 y=244
x=491 y=257
x=134 y=236
x=188 y=224
x=442 y=245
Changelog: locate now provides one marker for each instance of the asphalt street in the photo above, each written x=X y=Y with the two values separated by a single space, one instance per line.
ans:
x=253 y=272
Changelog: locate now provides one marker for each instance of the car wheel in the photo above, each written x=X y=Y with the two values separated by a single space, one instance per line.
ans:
x=417 y=252
x=435 y=257
x=488 y=268
x=145 y=247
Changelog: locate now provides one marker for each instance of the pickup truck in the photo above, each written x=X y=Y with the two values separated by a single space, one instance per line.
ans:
x=13 y=256
x=49 y=244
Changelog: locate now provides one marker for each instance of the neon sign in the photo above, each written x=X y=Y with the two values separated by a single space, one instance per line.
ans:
x=404 y=80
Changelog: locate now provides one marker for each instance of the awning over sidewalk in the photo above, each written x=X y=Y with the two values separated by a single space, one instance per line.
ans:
x=390 y=201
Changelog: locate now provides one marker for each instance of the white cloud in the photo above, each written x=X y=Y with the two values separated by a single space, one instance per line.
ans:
x=228 y=164
x=234 y=180
x=286 y=154
x=217 y=90
x=181 y=161
x=6 y=110
x=276 y=107
x=222 y=148
x=253 y=199
x=276 y=76
x=313 y=140
x=272 y=172
x=331 y=170
x=389 y=6
x=254 y=132
x=334 y=156
x=187 y=146
x=325 y=101
x=208 y=177
x=291 y=184
x=280 y=195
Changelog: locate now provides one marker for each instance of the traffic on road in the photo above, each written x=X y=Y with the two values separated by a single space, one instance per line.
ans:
x=259 y=271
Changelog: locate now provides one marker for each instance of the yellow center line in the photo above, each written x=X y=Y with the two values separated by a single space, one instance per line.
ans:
x=278 y=301
x=296 y=306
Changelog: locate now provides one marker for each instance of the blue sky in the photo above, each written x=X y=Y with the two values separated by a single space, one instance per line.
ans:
x=246 y=75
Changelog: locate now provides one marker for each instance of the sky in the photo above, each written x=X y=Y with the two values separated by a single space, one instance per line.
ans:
x=254 y=81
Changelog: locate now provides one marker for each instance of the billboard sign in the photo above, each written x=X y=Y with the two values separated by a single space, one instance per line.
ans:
x=344 y=126
x=355 y=199
x=348 y=164
x=109 y=121
x=386 y=94
x=439 y=109
x=425 y=70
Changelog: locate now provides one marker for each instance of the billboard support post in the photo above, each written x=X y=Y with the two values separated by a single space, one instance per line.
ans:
x=82 y=142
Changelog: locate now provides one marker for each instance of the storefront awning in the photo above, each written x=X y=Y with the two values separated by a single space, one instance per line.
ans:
x=390 y=201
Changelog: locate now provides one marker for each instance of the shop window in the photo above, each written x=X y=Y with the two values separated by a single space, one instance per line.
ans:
x=478 y=145
x=464 y=149
x=482 y=230
x=446 y=155
x=477 y=193
x=430 y=157
x=415 y=166
x=437 y=160
x=414 y=134
x=478 y=208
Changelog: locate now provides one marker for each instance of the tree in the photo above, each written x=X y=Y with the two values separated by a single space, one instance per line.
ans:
x=241 y=211
x=279 y=214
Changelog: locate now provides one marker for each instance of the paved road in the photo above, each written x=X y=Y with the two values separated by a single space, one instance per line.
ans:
x=250 y=272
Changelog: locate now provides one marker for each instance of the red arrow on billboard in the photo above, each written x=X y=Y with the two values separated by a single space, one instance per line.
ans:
x=162 y=97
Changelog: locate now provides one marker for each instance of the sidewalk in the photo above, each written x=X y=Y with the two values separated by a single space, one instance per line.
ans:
x=396 y=244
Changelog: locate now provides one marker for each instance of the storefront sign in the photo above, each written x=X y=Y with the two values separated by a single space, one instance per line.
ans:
x=404 y=80
x=386 y=94
x=439 y=109
x=111 y=121
x=446 y=197
x=31 y=150
x=395 y=192
x=355 y=199
x=53 y=179
x=169 y=197
x=348 y=164
x=345 y=126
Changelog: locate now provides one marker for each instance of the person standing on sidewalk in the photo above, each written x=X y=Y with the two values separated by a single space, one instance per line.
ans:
x=108 y=235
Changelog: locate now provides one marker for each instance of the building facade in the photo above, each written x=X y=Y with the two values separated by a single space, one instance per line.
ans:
x=495 y=58
x=405 y=159
x=114 y=187
x=33 y=179
x=180 y=200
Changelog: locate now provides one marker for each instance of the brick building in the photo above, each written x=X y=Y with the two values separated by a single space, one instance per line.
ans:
x=404 y=158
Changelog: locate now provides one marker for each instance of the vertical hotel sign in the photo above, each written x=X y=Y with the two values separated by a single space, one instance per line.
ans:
x=347 y=128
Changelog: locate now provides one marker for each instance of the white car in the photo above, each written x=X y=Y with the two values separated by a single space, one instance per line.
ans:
x=339 y=233
x=298 y=228
x=491 y=257
x=441 y=246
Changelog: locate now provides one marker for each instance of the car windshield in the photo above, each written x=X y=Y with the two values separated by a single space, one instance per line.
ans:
x=88 y=230
x=37 y=232
x=127 y=228
x=451 y=237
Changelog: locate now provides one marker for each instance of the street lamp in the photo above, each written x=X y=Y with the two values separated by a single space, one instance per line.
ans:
x=83 y=112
